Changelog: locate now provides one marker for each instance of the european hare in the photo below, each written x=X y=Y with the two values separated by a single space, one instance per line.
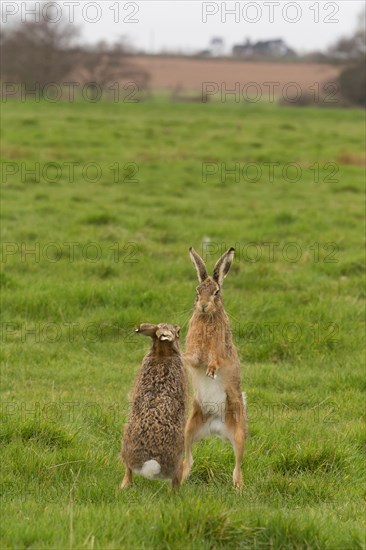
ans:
x=218 y=406
x=153 y=441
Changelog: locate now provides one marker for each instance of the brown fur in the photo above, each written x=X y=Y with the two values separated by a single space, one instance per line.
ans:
x=210 y=350
x=155 y=429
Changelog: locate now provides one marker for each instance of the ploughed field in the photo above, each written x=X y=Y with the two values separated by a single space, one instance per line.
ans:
x=252 y=78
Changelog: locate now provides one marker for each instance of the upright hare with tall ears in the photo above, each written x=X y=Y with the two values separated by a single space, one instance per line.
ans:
x=218 y=405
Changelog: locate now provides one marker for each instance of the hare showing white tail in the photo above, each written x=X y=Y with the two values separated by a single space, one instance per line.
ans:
x=218 y=406
x=153 y=441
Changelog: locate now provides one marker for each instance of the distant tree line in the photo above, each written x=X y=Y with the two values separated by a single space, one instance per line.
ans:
x=35 y=54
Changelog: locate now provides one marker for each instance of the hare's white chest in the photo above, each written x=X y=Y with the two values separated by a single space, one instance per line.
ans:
x=210 y=394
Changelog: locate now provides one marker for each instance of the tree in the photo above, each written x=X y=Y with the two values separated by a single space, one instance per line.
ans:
x=352 y=83
x=352 y=47
x=105 y=66
x=37 y=53
x=352 y=80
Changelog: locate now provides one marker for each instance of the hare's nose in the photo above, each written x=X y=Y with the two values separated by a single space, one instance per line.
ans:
x=203 y=307
x=167 y=336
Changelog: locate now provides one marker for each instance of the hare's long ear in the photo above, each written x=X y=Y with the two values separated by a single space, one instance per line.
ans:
x=222 y=266
x=199 y=264
x=147 y=329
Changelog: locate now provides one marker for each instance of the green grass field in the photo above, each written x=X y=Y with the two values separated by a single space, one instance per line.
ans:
x=83 y=261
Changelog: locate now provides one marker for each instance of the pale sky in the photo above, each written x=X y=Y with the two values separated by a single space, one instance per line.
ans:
x=189 y=25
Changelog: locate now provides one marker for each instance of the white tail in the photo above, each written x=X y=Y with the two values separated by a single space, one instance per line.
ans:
x=150 y=469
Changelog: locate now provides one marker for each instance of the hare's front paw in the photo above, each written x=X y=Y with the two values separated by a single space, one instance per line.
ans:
x=211 y=370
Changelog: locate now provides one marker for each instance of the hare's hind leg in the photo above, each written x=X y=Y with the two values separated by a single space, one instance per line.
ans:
x=235 y=422
x=127 y=478
x=194 y=424
x=238 y=445
x=177 y=476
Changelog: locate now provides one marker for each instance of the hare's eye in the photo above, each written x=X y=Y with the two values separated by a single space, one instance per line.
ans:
x=216 y=292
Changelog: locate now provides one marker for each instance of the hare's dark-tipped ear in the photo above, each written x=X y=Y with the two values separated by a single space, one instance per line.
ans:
x=222 y=266
x=147 y=329
x=199 y=264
